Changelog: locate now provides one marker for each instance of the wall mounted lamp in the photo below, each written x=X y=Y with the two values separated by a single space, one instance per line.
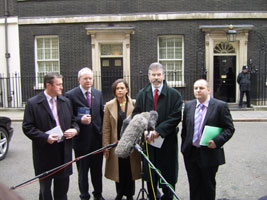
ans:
x=231 y=34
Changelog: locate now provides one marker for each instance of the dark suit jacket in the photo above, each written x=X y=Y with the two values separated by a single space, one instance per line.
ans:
x=90 y=136
x=38 y=119
x=218 y=114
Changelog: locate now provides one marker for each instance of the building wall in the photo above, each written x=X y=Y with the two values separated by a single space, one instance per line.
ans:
x=92 y=7
x=75 y=45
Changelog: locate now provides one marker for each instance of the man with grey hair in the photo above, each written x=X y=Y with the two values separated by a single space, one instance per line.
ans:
x=167 y=101
x=87 y=104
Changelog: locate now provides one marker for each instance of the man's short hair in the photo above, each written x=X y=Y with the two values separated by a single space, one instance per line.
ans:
x=156 y=65
x=84 y=70
x=50 y=76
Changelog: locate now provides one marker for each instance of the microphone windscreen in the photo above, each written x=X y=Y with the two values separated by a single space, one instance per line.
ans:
x=132 y=134
x=152 y=120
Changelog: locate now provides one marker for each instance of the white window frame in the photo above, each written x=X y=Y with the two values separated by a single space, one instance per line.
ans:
x=39 y=84
x=176 y=83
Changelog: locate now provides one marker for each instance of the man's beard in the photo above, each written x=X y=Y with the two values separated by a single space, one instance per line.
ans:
x=156 y=81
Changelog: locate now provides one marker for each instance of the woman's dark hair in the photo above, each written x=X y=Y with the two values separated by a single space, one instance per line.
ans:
x=114 y=85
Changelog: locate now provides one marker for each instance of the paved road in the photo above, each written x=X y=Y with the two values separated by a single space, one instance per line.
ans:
x=243 y=177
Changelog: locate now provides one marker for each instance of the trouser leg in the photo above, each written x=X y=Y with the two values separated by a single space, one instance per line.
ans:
x=61 y=187
x=96 y=174
x=45 y=189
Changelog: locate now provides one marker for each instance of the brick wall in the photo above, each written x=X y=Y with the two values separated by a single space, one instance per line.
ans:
x=90 y=7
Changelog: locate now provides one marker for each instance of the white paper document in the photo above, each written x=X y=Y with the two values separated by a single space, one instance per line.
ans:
x=157 y=142
x=57 y=130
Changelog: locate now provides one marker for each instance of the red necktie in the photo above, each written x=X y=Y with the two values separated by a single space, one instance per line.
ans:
x=156 y=95
x=88 y=99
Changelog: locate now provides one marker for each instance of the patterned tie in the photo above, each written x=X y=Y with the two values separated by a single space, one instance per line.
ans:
x=88 y=98
x=54 y=110
x=198 y=120
x=156 y=96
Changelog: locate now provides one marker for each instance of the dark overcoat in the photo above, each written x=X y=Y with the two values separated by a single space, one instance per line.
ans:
x=169 y=107
x=38 y=119
x=244 y=81
x=90 y=136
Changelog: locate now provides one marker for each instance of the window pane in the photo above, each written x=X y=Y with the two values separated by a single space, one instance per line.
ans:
x=55 y=43
x=47 y=53
x=54 y=54
x=111 y=49
x=40 y=43
x=162 y=42
x=162 y=53
x=171 y=57
x=47 y=43
x=170 y=53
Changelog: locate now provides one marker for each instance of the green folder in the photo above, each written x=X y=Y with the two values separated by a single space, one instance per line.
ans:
x=209 y=133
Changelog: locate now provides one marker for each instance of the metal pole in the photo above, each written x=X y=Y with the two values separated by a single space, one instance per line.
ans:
x=139 y=149
x=7 y=55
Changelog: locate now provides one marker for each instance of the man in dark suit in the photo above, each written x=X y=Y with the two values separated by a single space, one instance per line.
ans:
x=87 y=103
x=202 y=162
x=167 y=101
x=43 y=112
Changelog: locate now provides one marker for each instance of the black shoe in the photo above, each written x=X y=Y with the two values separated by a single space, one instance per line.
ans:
x=129 y=197
x=99 y=198
x=118 y=197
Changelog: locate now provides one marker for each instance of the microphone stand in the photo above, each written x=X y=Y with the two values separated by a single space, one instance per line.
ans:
x=142 y=190
x=64 y=165
x=139 y=149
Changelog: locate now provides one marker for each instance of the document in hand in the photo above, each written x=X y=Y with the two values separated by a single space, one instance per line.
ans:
x=209 y=133
x=57 y=130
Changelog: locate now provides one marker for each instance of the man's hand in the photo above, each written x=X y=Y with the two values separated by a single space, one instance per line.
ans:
x=151 y=136
x=212 y=144
x=106 y=154
x=86 y=119
x=52 y=138
x=70 y=133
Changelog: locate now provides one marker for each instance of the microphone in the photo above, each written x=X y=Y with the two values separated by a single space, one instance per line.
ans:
x=133 y=132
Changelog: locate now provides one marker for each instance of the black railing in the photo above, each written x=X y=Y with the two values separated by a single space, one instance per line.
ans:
x=26 y=86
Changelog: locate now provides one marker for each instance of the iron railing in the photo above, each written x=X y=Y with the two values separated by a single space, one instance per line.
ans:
x=24 y=87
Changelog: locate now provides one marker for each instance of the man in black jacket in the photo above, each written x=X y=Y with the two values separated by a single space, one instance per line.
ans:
x=244 y=82
x=202 y=162
x=88 y=109
x=43 y=112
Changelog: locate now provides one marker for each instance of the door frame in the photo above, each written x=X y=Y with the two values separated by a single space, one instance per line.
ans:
x=217 y=33
x=101 y=35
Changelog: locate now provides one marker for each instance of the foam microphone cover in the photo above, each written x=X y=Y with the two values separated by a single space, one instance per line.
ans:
x=134 y=131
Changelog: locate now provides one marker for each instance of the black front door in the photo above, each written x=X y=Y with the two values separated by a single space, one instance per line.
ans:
x=111 y=70
x=224 y=78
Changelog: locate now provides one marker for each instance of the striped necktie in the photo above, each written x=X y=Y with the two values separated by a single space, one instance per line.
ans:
x=197 y=124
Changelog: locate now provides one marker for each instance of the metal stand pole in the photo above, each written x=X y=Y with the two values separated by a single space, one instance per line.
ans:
x=142 y=190
x=139 y=149
x=64 y=165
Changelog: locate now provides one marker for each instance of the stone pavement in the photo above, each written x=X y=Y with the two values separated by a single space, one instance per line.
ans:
x=256 y=114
